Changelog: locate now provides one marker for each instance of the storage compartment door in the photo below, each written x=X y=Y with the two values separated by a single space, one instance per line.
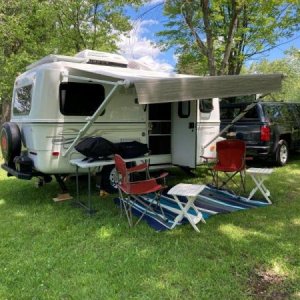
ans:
x=184 y=133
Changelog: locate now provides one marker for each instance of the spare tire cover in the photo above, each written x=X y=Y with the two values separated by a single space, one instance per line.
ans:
x=10 y=138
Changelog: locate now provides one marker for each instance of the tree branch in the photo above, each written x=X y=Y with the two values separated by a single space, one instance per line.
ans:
x=230 y=36
x=209 y=37
x=188 y=21
x=95 y=26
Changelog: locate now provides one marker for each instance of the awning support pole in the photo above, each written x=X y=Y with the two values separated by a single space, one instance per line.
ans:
x=93 y=118
x=238 y=117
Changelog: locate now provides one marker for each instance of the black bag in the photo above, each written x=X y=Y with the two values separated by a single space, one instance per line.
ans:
x=96 y=147
x=131 y=149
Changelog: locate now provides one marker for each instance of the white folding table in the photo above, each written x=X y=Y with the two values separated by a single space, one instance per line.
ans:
x=80 y=163
x=259 y=175
x=190 y=191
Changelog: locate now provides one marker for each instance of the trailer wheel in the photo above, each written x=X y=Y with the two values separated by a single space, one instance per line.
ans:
x=10 y=137
x=109 y=179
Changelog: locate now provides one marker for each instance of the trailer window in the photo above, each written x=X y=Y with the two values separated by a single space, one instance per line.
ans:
x=22 y=100
x=184 y=109
x=80 y=99
x=206 y=105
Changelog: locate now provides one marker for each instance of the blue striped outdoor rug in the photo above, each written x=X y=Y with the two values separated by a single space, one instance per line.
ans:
x=211 y=201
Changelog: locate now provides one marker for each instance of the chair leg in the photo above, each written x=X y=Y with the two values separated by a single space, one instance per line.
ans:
x=243 y=180
x=125 y=206
x=157 y=197
x=216 y=179
x=230 y=177
x=149 y=207
x=145 y=211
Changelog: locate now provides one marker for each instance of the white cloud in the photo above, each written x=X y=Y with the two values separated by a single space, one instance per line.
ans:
x=152 y=2
x=148 y=62
x=138 y=47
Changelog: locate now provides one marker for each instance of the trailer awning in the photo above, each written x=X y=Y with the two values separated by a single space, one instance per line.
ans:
x=193 y=88
x=158 y=87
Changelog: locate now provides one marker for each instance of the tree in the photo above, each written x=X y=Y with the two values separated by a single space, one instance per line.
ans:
x=290 y=67
x=22 y=38
x=223 y=34
x=32 y=29
x=90 y=24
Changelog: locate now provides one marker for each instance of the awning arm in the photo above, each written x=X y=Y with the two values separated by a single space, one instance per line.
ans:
x=125 y=83
x=237 y=118
x=99 y=111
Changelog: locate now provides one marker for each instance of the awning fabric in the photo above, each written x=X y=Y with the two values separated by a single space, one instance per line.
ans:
x=158 y=87
x=184 y=89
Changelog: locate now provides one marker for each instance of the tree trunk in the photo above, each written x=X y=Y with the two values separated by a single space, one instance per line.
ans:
x=209 y=38
x=5 y=111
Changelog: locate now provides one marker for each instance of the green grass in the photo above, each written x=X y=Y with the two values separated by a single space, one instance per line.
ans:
x=54 y=251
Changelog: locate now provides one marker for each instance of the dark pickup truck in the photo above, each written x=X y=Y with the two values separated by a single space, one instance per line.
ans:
x=270 y=129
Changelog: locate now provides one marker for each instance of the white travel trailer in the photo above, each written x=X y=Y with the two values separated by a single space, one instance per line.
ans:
x=61 y=99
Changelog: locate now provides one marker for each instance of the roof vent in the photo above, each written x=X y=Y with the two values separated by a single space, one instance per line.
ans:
x=103 y=58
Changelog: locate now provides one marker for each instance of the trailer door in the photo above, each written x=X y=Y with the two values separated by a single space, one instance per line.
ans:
x=184 y=133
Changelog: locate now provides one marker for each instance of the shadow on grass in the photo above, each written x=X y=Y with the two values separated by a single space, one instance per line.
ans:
x=50 y=250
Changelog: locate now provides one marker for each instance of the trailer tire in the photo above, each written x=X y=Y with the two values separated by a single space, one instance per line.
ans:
x=10 y=137
x=109 y=179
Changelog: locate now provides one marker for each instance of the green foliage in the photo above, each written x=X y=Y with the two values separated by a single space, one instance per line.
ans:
x=22 y=38
x=89 y=24
x=31 y=29
x=223 y=34
x=290 y=67
x=55 y=251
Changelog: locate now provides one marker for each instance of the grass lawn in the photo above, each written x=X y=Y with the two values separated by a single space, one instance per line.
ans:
x=54 y=251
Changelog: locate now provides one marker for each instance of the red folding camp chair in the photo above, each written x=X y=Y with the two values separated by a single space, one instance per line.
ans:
x=231 y=156
x=132 y=189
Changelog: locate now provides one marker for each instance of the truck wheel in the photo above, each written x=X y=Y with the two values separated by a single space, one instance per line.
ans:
x=109 y=179
x=10 y=137
x=282 y=153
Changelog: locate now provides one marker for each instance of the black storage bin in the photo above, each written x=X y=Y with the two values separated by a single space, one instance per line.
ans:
x=23 y=164
x=131 y=149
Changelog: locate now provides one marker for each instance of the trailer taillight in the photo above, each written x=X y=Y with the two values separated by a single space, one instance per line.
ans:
x=55 y=153
x=265 y=133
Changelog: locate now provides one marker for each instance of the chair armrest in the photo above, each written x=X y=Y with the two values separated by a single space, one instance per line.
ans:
x=208 y=157
x=162 y=175
x=138 y=168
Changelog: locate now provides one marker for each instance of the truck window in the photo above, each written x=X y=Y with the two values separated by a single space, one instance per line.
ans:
x=80 y=99
x=229 y=112
x=296 y=110
x=272 y=111
x=22 y=100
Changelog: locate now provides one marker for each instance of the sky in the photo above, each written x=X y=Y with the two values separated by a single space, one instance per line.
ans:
x=148 y=20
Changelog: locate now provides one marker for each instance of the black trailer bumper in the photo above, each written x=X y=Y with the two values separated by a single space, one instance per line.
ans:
x=13 y=172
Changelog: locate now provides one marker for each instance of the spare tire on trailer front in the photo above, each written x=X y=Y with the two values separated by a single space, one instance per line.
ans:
x=10 y=137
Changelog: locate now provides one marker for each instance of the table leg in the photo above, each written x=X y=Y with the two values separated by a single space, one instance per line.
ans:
x=76 y=202
x=77 y=184
x=79 y=203
x=184 y=212
x=259 y=182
